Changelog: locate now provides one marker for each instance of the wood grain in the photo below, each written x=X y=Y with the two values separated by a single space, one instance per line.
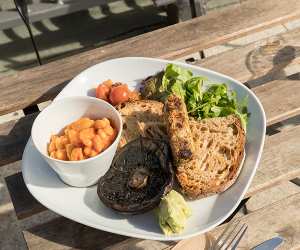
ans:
x=43 y=83
x=65 y=234
x=13 y=138
x=25 y=204
x=258 y=62
x=269 y=222
x=280 y=99
x=280 y=162
x=265 y=224
x=262 y=224
x=281 y=153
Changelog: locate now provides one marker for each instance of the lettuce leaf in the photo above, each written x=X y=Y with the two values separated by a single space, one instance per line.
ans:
x=216 y=101
x=174 y=75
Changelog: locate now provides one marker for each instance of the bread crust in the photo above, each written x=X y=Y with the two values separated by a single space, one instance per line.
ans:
x=179 y=130
x=215 y=164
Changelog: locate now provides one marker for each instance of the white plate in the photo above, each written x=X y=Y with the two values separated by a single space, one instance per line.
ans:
x=82 y=204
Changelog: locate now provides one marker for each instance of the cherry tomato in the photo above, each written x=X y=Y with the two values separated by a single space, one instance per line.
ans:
x=119 y=94
x=102 y=92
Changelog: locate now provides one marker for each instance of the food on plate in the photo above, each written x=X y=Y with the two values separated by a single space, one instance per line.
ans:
x=103 y=90
x=142 y=118
x=115 y=93
x=150 y=87
x=180 y=135
x=203 y=123
x=215 y=149
x=119 y=94
x=82 y=139
x=140 y=175
x=172 y=213
x=215 y=101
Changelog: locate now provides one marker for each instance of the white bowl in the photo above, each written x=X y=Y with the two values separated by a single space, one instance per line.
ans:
x=59 y=114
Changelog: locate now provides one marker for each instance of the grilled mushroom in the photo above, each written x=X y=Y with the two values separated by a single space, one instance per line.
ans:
x=140 y=175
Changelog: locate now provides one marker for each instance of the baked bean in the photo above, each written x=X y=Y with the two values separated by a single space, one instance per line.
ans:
x=82 y=123
x=51 y=147
x=69 y=148
x=52 y=154
x=99 y=124
x=113 y=136
x=93 y=153
x=108 y=130
x=102 y=134
x=87 y=151
x=87 y=142
x=98 y=144
x=76 y=154
x=61 y=154
x=82 y=139
x=61 y=141
x=74 y=137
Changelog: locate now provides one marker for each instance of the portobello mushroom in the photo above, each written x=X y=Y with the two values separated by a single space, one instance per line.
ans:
x=140 y=175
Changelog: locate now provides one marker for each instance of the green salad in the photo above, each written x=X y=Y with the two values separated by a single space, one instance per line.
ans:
x=215 y=100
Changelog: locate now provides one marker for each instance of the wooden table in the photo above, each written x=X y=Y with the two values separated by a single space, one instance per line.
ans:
x=260 y=67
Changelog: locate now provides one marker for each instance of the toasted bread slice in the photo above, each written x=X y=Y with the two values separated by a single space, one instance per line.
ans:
x=142 y=118
x=180 y=134
x=217 y=146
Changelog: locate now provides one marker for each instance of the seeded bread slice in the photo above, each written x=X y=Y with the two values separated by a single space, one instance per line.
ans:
x=142 y=118
x=217 y=146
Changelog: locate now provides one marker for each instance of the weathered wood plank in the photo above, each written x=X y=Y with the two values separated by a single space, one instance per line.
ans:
x=25 y=204
x=271 y=195
x=264 y=224
x=13 y=138
x=139 y=244
x=280 y=99
x=65 y=234
x=43 y=83
x=280 y=162
x=259 y=62
x=281 y=153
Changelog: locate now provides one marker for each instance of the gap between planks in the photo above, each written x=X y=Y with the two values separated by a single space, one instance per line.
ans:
x=44 y=82
x=260 y=62
x=262 y=224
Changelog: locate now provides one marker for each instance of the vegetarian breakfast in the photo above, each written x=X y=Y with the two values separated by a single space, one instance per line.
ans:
x=82 y=139
x=183 y=137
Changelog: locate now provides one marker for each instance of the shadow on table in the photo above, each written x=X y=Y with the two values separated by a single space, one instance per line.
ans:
x=75 y=32
x=67 y=233
x=15 y=134
x=269 y=62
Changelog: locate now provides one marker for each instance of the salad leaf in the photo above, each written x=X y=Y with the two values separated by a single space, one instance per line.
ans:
x=193 y=92
x=242 y=111
x=174 y=74
x=178 y=89
x=216 y=101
